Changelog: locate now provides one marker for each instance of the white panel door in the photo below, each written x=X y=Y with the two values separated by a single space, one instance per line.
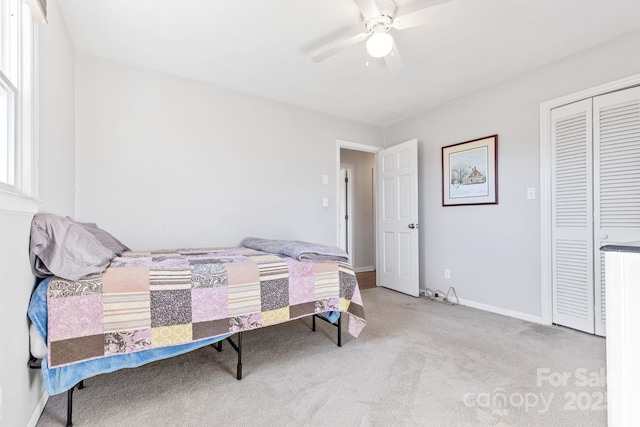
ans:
x=572 y=216
x=616 y=180
x=398 y=252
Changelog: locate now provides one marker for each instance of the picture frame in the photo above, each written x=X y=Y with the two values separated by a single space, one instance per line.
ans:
x=470 y=172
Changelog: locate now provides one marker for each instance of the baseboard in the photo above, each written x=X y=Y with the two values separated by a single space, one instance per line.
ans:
x=503 y=311
x=37 y=411
x=363 y=269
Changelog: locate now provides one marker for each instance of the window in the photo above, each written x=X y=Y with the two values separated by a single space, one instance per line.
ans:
x=16 y=97
x=6 y=140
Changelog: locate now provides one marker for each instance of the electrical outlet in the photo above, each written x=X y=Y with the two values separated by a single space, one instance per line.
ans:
x=437 y=296
x=531 y=193
x=447 y=273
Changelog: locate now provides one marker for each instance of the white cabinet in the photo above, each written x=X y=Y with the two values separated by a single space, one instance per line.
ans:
x=623 y=334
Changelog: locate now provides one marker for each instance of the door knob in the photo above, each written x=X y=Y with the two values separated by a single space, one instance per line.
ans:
x=412 y=226
x=604 y=236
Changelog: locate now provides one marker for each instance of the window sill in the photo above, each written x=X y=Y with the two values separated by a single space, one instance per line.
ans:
x=16 y=203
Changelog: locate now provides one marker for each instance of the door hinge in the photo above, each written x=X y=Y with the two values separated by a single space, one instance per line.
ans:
x=346 y=217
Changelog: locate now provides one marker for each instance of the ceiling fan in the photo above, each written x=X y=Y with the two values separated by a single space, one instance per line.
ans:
x=379 y=17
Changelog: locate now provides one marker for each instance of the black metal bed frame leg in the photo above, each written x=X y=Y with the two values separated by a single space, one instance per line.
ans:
x=338 y=325
x=80 y=386
x=238 y=349
x=239 y=367
x=70 y=406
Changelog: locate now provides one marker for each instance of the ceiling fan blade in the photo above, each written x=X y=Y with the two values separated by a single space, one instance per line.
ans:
x=351 y=41
x=394 y=60
x=368 y=8
x=418 y=17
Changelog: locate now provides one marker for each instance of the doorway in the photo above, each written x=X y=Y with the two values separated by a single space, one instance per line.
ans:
x=356 y=208
x=393 y=235
x=357 y=224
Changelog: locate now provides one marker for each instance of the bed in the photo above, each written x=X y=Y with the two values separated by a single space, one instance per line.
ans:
x=144 y=306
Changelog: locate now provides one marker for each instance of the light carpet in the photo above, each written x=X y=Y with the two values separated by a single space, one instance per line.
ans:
x=417 y=362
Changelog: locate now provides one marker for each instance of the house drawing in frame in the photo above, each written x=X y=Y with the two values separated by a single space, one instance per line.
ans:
x=469 y=172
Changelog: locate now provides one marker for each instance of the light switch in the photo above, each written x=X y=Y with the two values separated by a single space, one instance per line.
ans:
x=531 y=193
x=325 y=202
x=325 y=179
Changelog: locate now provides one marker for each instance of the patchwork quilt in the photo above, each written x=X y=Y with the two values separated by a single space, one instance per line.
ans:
x=147 y=300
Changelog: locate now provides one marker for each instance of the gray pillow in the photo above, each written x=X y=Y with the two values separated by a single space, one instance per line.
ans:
x=105 y=238
x=63 y=248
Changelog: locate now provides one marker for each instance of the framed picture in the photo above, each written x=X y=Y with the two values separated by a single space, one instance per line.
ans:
x=470 y=172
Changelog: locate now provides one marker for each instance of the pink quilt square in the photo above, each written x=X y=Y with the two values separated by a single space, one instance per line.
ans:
x=76 y=316
x=357 y=297
x=301 y=281
x=209 y=303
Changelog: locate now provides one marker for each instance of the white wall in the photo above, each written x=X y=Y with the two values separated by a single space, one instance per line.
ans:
x=21 y=387
x=364 y=239
x=56 y=118
x=493 y=251
x=165 y=162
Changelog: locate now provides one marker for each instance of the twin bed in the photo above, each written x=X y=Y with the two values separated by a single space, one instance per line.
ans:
x=145 y=306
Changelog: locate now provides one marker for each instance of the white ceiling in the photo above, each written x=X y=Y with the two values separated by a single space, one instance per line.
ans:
x=263 y=46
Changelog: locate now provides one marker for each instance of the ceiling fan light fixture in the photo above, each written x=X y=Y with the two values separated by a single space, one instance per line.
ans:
x=380 y=44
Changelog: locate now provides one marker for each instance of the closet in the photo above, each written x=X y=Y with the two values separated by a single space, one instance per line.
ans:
x=595 y=200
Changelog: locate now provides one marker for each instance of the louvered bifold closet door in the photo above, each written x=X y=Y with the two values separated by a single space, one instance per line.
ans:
x=572 y=215
x=616 y=180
